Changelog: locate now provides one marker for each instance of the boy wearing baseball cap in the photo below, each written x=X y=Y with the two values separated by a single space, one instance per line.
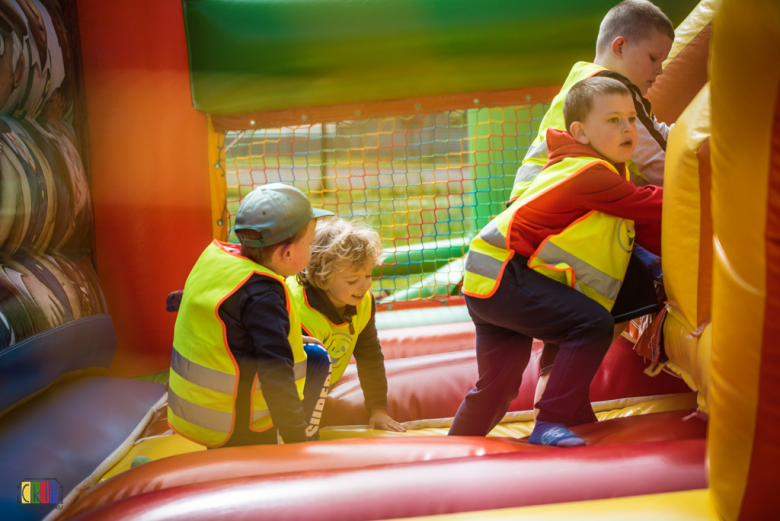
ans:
x=238 y=367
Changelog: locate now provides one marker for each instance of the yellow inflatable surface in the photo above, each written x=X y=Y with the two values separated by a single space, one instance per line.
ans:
x=693 y=505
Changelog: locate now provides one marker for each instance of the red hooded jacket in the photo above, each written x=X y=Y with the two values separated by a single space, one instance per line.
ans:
x=595 y=188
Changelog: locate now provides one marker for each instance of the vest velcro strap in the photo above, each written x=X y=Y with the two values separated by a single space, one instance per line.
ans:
x=299 y=370
x=201 y=375
x=199 y=415
x=482 y=264
x=587 y=274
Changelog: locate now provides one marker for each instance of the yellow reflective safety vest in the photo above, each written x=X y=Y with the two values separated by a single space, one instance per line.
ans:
x=591 y=255
x=537 y=154
x=339 y=339
x=204 y=374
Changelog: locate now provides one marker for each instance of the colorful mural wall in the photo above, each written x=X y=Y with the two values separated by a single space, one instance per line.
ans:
x=47 y=277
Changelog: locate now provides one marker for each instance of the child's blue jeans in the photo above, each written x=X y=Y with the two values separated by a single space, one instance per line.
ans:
x=316 y=388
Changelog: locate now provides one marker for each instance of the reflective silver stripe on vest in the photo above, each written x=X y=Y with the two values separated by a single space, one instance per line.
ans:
x=259 y=415
x=199 y=415
x=491 y=235
x=299 y=369
x=482 y=264
x=201 y=375
x=530 y=171
x=587 y=274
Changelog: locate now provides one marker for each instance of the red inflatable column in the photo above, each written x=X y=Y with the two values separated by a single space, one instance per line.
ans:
x=148 y=156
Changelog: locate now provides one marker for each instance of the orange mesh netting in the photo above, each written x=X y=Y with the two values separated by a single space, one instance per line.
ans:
x=427 y=182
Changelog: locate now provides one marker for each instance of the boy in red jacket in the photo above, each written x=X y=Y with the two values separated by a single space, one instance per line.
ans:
x=555 y=266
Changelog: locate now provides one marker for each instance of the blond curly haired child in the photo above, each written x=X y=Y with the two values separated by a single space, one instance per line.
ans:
x=335 y=303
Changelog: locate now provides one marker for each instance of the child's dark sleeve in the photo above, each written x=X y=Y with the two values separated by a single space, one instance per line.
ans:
x=371 y=365
x=598 y=188
x=266 y=320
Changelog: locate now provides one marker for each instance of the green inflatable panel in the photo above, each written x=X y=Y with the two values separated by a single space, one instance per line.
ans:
x=420 y=258
x=445 y=282
x=260 y=55
x=421 y=317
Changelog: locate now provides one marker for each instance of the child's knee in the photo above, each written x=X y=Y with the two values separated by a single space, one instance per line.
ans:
x=317 y=360
x=501 y=391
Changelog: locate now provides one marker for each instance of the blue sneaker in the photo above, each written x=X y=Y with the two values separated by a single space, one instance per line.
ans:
x=554 y=435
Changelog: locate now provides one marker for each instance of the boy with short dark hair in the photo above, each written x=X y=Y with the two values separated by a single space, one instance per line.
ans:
x=552 y=266
x=634 y=40
x=238 y=367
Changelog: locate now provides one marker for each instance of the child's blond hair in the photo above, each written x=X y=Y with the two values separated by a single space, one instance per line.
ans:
x=338 y=245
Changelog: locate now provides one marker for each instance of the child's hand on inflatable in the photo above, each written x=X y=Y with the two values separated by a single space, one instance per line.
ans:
x=312 y=340
x=380 y=420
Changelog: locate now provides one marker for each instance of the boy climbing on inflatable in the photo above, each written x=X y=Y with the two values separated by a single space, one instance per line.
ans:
x=335 y=303
x=238 y=366
x=634 y=40
x=554 y=264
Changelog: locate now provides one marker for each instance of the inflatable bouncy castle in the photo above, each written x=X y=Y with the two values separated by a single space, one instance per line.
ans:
x=129 y=133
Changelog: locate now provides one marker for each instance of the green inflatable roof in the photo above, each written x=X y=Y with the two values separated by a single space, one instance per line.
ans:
x=261 y=55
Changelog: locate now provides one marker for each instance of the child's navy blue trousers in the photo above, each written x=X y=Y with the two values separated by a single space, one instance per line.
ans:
x=525 y=306
x=317 y=372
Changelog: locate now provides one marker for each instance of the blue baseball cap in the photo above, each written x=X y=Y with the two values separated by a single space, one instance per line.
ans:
x=276 y=210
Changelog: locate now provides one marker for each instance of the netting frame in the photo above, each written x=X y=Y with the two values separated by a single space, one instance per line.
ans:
x=219 y=125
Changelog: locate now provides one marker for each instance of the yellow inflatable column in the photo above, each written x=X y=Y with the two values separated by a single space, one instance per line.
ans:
x=744 y=437
x=687 y=246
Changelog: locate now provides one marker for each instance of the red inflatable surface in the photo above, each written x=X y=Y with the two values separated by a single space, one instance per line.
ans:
x=434 y=386
x=261 y=460
x=232 y=464
x=429 y=488
x=405 y=342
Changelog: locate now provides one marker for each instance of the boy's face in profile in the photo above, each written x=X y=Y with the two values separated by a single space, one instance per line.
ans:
x=641 y=61
x=610 y=127
x=297 y=255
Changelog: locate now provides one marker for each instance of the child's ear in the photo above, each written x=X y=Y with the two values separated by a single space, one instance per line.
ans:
x=286 y=251
x=618 y=46
x=577 y=131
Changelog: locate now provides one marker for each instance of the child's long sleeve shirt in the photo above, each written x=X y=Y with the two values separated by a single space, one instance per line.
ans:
x=256 y=327
x=597 y=188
